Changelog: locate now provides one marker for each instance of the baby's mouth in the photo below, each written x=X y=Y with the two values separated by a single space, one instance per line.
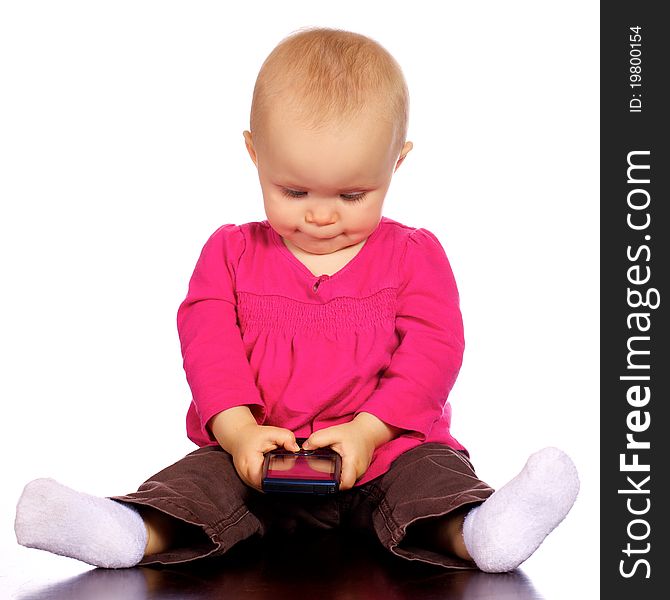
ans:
x=330 y=237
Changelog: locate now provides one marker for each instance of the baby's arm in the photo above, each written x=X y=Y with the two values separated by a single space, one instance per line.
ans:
x=412 y=392
x=215 y=360
x=377 y=431
x=227 y=425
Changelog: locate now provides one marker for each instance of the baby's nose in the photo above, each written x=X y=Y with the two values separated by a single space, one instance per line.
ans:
x=323 y=216
x=324 y=222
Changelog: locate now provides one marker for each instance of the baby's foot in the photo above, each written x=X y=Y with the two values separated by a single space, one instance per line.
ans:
x=98 y=531
x=510 y=525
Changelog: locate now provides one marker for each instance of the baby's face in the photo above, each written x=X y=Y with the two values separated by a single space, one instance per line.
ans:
x=324 y=190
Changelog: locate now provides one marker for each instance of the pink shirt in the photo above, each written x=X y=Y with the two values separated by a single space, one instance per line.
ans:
x=382 y=335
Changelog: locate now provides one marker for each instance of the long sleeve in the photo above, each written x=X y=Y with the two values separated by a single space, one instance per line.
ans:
x=413 y=390
x=215 y=362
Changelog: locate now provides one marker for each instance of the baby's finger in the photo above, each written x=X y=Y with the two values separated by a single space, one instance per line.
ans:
x=255 y=473
x=348 y=476
x=319 y=439
x=278 y=437
x=288 y=441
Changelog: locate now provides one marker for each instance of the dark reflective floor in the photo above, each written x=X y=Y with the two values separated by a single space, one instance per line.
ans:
x=335 y=564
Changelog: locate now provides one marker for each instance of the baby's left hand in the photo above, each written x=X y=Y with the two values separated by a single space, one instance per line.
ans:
x=351 y=443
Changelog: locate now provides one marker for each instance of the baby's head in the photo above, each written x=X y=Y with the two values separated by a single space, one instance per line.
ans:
x=328 y=125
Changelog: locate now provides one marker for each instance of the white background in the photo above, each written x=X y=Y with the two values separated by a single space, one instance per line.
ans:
x=121 y=151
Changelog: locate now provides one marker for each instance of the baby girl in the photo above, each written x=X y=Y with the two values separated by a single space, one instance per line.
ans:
x=327 y=321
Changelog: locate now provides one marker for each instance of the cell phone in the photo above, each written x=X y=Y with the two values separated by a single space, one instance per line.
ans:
x=304 y=472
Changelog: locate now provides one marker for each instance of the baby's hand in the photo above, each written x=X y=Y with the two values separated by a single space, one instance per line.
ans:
x=350 y=442
x=252 y=442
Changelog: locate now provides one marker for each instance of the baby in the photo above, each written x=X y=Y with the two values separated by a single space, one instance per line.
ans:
x=327 y=321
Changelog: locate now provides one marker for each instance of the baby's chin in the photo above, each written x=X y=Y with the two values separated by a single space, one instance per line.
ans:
x=321 y=247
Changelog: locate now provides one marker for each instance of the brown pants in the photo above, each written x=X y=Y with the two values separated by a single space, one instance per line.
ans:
x=204 y=490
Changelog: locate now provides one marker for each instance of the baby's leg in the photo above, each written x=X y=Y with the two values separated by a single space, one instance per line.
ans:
x=163 y=531
x=98 y=531
x=194 y=508
x=442 y=534
x=508 y=527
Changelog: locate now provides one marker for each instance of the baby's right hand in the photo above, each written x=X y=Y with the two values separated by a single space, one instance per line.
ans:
x=252 y=443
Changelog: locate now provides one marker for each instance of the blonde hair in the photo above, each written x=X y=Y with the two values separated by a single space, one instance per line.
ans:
x=331 y=75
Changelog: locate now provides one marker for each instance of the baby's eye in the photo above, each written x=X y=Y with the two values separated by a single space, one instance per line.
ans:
x=348 y=197
x=292 y=193
x=353 y=197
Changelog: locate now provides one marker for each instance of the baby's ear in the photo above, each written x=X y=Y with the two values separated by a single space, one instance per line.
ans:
x=403 y=153
x=249 y=143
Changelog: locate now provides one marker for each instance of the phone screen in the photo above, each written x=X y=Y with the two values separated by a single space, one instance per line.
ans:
x=301 y=467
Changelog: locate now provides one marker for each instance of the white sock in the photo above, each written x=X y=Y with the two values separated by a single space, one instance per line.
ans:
x=511 y=523
x=98 y=531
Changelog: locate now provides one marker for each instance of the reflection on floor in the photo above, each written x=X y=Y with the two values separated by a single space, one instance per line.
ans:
x=333 y=564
